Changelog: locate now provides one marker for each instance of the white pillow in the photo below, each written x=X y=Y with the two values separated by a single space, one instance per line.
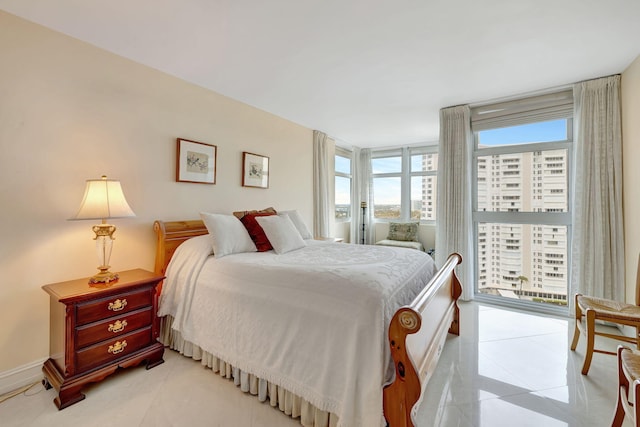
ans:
x=228 y=235
x=281 y=232
x=296 y=218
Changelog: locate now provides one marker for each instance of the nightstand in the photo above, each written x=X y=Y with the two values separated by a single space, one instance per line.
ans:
x=96 y=330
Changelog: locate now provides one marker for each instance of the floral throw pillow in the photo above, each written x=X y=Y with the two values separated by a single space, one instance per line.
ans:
x=404 y=231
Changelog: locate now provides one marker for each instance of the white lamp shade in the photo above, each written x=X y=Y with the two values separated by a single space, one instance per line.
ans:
x=103 y=198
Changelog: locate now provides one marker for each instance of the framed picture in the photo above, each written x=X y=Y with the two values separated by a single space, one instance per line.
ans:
x=196 y=162
x=255 y=170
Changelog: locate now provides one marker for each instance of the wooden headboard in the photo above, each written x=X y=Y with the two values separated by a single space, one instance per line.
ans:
x=169 y=235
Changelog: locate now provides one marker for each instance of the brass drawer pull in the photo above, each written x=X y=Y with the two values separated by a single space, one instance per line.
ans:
x=117 y=305
x=118 y=326
x=118 y=347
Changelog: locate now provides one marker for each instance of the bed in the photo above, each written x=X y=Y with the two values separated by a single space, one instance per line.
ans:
x=344 y=356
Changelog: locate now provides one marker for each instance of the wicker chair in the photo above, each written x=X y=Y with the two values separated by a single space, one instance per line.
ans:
x=606 y=310
x=628 y=387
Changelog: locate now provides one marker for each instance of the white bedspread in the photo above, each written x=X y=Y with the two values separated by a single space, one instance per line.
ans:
x=313 y=321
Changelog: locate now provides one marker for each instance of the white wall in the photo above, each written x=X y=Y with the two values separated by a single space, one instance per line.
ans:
x=71 y=112
x=631 y=172
x=343 y=230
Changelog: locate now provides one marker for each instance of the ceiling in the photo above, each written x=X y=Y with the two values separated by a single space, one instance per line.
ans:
x=370 y=73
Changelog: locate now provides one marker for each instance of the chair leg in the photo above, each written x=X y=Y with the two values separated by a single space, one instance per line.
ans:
x=590 y=332
x=576 y=330
x=618 y=415
x=623 y=392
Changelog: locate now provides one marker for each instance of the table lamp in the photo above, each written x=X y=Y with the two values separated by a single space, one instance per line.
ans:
x=103 y=199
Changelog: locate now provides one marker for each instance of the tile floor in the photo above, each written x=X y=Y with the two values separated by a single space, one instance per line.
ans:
x=507 y=368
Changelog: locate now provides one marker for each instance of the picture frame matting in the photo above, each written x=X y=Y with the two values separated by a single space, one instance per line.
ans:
x=255 y=170
x=196 y=162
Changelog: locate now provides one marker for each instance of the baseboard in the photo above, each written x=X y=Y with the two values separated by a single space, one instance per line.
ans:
x=23 y=375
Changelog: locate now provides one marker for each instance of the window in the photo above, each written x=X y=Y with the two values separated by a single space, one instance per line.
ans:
x=424 y=181
x=405 y=183
x=386 y=169
x=343 y=185
x=525 y=217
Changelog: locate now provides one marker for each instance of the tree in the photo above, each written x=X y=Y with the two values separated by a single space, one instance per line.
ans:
x=522 y=279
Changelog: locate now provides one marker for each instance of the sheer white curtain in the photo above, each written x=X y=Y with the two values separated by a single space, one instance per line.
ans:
x=361 y=188
x=453 y=217
x=323 y=176
x=597 y=254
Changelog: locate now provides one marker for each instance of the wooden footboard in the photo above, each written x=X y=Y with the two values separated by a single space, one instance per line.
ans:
x=416 y=335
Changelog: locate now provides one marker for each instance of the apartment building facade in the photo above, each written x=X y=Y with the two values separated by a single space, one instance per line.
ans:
x=526 y=261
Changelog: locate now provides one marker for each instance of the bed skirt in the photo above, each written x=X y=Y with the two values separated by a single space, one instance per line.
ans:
x=289 y=403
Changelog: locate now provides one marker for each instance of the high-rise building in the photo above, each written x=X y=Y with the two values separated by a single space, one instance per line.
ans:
x=429 y=182
x=528 y=260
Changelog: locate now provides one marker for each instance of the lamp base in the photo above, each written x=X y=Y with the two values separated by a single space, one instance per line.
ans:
x=104 y=278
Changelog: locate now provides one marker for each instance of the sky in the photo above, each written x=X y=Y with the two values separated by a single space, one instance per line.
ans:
x=555 y=130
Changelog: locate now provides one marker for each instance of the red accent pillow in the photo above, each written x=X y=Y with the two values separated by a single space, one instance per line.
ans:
x=256 y=232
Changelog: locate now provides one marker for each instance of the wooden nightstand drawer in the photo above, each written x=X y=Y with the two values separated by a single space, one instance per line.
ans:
x=96 y=330
x=113 y=306
x=113 y=327
x=111 y=350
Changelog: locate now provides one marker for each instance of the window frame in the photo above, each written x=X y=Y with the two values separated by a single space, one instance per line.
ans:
x=528 y=218
x=343 y=152
x=563 y=218
x=413 y=151
x=381 y=154
x=405 y=175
